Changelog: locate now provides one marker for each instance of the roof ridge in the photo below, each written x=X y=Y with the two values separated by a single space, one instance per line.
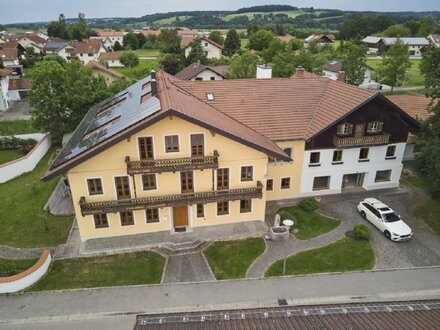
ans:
x=316 y=109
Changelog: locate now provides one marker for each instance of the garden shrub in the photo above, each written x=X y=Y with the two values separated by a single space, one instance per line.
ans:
x=308 y=205
x=359 y=232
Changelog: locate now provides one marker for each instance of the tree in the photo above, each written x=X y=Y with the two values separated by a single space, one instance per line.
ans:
x=354 y=57
x=413 y=26
x=169 y=42
x=397 y=31
x=58 y=29
x=232 y=43
x=217 y=37
x=284 y=64
x=61 y=95
x=129 y=59
x=275 y=46
x=141 y=39
x=131 y=41
x=260 y=40
x=429 y=136
x=171 y=63
x=79 y=30
x=243 y=66
x=395 y=62
x=196 y=53
x=117 y=47
x=150 y=42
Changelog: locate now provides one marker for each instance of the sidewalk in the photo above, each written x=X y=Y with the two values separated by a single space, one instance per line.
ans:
x=406 y=284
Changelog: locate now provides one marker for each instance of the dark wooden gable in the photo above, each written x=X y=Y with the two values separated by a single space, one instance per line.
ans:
x=394 y=122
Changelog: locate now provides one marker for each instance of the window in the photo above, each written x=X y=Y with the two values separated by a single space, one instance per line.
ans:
x=122 y=187
x=126 y=218
x=145 y=148
x=269 y=185
x=223 y=178
x=186 y=181
x=345 y=129
x=212 y=78
x=363 y=154
x=100 y=220
x=383 y=176
x=245 y=205
x=152 y=215
x=288 y=151
x=247 y=173
x=210 y=97
x=391 y=152
x=374 y=127
x=95 y=186
x=337 y=156
x=197 y=145
x=321 y=182
x=198 y=79
x=200 y=210
x=149 y=181
x=172 y=143
x=206 y=44
x=222 y=208
x=315 y=158
x=285 y=183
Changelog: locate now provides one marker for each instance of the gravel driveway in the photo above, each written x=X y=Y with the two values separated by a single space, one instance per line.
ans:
x=422 y=250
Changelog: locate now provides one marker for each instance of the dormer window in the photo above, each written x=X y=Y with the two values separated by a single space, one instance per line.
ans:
x=345 y=129
x=375 y=127
x=210 y=96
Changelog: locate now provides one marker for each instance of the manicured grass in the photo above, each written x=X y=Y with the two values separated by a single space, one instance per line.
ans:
x=344 y=255
x=19 y=126
x=9 y=267
x=143 y=69
x=8 y=155
x=231 y=259
x=120 y=269
x=22 y=218
x=413 y=77
x=309 y=224
x=147 y=52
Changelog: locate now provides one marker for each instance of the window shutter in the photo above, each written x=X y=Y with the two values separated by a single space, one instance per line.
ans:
x=340 y=129
x=370 y=127
x=350 y=129
x=379 y=126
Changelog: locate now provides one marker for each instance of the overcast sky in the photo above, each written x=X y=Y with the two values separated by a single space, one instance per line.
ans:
x=13 y=11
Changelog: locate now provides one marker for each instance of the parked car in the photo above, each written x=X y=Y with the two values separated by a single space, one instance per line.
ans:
x=385 y=219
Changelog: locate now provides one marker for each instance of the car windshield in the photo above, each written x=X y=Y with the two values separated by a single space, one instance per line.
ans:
x=391 y=217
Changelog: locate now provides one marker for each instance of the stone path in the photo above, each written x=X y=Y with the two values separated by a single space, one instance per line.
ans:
x=187 y=268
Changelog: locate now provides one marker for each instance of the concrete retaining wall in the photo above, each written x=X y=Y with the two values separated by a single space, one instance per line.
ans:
x=26 y=163
x=30 y=276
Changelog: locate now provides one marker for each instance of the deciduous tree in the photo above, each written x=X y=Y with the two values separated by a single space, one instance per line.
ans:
x=354 y=57
x=232 y=43
x=129 y=59
x=169 y=42
x=243 y=66
x=196 y=53
x=131 y=41
x=217 y=37
x=260 y=40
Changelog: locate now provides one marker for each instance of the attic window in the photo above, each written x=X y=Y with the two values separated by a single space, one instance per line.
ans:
x=210 y=96
x=146 y=97
x=100 y=128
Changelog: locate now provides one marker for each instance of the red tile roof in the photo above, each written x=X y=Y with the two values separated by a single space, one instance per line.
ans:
x=108 y=56
x=194 y=69
x=21 y=83
x=35 y=38
x=96 y=66
x=186 y=41
x=414 y=104
x=5 y=72
x=86 y=46
x=8 y=54
x=111 y=33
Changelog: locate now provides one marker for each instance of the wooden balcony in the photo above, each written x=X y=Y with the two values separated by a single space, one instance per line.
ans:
x=170 y=200
x=355 y=141
x=171 y=165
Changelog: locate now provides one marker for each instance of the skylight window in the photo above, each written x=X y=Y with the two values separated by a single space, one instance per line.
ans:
x=210 y=96
x=100 y=128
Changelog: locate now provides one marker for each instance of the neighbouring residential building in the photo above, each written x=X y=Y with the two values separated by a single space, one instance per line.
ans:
x=378 y=45
x=333 y=68
x=19 y=88
x=434 y=39
x=149 y=32
x=85 y=51
x=210 y=48
x=285 y=38
x=172 y=155
x=9 y=54
x=322 y=39
x=33 y=41
x=109 y=38
x=198 y=71
x=4 y=86
x=99 y=69
x=111 y=59
x=55 y=47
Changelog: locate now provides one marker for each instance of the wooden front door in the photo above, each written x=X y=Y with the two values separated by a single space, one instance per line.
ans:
x=180 y=216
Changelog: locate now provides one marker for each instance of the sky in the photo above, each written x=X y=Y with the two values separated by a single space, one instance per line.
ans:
x=14 y=11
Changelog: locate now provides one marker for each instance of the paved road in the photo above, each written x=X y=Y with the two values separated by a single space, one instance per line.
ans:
x=17 y=110
x=93 y=304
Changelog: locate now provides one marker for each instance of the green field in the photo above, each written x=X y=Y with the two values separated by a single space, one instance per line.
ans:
x=290 y=13
x=413 y=78
x=147 y=52
x=171 y=20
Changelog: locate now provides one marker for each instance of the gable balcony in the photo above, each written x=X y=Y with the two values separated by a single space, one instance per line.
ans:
x=172 y=165
x=356 y=141
x=214 y=196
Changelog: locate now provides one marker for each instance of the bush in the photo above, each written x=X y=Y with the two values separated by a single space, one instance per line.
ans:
x=359 y=232
x=11 y=142
x=308 y=205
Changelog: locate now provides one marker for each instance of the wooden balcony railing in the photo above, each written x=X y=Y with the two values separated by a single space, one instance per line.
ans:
x=171 y=165
x=366 y=140
x=170 y=200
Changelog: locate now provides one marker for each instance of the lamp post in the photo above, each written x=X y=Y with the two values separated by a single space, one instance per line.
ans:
x=288 y=223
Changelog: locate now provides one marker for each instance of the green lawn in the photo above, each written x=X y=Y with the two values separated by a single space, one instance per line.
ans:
x=119 y=269
x=143 y=69
x=309 y=224
x=231 y=259
x=22 y=217
x=250 y=15
x=413 y=78
x=9 y=267
x=344 y=255
x=8 y=155
x=19 y=126
x=147 y=52
x=170 y=20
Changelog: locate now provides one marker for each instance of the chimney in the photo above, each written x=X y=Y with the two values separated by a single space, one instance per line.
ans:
x=341 y=76
x=264 y=72
x=153 y=87
x=299 y=72
x=153 y=74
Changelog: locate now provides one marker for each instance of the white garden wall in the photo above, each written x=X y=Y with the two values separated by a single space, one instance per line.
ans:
x=26 y=163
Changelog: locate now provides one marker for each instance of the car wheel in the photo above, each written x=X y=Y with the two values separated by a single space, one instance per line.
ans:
x=363 y=215
x=387 y=234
